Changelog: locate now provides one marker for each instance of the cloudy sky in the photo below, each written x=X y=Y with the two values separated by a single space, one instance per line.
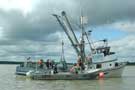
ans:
x=27 y=27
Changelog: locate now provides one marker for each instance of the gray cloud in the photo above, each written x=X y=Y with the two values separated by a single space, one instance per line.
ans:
x=24 y=35
x=16 y=26
x=39 y=23
x=125 y=47
x=102 y=12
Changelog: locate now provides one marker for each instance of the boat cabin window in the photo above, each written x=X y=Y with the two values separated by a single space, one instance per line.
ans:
x=116 y=64
x=111 y=53
x=98 y=66
x=104 y=50
x=21 y=65
x=110 y=64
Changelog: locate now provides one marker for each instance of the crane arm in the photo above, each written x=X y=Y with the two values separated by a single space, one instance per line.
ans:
x=66 y=29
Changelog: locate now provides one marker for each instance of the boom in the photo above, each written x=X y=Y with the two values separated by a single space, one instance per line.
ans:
x=68 y=30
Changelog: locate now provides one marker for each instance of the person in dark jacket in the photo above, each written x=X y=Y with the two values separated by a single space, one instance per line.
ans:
x=47 y=64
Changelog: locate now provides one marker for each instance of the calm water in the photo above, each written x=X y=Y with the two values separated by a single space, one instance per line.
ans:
x=9 y=81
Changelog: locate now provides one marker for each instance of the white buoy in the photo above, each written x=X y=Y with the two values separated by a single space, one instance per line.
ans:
x=29 y=73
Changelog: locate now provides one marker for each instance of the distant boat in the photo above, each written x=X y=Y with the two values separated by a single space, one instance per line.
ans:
x=100 y=62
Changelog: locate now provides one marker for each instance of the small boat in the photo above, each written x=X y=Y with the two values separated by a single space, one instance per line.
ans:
x=25 y=67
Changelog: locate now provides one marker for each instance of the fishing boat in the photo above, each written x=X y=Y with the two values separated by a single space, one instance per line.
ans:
x=99 y=62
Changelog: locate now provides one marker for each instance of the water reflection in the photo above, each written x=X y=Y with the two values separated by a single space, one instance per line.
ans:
x=9 y=81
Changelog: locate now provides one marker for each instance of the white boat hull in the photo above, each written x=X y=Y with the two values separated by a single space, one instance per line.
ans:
x=114 y=72
x=92 y=74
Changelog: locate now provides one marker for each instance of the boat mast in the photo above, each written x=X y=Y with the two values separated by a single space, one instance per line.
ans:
x=63 y=61
x=62 y=52
x=82 y=43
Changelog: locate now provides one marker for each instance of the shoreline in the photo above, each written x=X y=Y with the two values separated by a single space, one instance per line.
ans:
x=20 y=62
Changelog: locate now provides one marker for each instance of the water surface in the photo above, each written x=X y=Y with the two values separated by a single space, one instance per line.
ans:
x=9 y=81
